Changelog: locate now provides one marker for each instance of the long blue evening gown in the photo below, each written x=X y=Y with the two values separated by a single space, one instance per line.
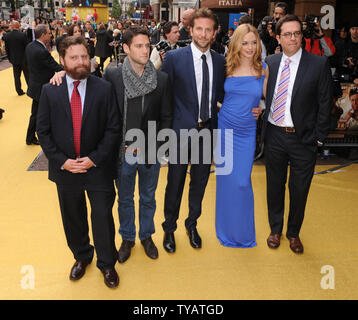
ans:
x=235 y=222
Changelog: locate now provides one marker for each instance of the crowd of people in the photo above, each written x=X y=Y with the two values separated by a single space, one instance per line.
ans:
x=98 y=125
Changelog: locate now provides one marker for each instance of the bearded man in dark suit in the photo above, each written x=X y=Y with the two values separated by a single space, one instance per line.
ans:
x=78 y=127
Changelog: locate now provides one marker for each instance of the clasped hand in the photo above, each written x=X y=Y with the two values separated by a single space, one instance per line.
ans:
x=79 y=165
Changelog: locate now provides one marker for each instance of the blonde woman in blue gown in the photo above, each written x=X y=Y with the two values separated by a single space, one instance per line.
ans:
x=244 y=87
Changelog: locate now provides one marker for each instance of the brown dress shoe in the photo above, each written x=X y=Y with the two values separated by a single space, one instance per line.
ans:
x=150 y=248
x=273 y=241
x=78 y=270
x=296 y=245
x=111 y=278
x=125 y=250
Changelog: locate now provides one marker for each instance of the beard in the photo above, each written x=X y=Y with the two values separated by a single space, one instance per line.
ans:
x=79 y=72
x=204 y=45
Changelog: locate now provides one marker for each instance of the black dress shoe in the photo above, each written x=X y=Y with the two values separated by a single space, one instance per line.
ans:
x=169 y=242
x=78 y=270
x=21 y=93
x=111 y=278
x=194 y=238
x=34 y=141
x=125 y=250
x=150 y=248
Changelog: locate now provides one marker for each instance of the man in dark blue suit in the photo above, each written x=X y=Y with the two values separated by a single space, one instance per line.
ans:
x=197 y=76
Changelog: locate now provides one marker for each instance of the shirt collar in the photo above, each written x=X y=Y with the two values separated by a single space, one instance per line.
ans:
x=41 y=43
x=70 y=81
x=294 y=59
x=197 y=53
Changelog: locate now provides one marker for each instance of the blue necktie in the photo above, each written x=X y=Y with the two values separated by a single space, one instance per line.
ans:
x=204 y=105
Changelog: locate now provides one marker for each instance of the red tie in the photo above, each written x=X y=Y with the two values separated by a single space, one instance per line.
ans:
x=76 y=110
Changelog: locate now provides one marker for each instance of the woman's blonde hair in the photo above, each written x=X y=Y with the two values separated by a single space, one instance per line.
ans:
x=233 y=59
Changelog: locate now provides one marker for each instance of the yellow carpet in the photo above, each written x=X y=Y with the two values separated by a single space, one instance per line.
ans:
x=35 y=261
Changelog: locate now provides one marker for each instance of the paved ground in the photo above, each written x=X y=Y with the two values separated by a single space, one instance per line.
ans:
x=4 y=64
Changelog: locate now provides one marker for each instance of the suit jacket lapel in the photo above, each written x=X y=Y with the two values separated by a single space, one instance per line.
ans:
x=65 y=99
x=90 y=91
x=215 y=72
x=273 y=79
x=301 y=71
x=119 y=88
x=191 y=71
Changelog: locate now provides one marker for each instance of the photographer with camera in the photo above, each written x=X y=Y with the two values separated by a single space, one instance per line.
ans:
x=267 y=28
x=346 y=58
x=171 y=35
x=315 y=40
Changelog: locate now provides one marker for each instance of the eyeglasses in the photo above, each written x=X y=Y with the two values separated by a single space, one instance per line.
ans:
x=289 y=35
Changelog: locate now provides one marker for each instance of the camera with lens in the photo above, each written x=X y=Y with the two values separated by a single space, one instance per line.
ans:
x=346 y=63
x=264 y=23
x=269 y=21
x=183 y=43
x=163 y=46
x=311 y=26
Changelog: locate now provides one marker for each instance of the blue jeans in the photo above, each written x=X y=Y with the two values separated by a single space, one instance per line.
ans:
x=148 y=181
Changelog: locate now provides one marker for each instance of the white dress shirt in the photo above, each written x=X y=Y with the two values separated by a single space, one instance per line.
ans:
x=41 y=43
x=295 y=61
x=198 y=67
x=81 y=89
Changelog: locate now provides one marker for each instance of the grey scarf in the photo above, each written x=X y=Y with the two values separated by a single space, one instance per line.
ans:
x=136 y=86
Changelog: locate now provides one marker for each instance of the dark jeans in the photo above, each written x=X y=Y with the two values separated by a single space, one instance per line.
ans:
x=148 y=180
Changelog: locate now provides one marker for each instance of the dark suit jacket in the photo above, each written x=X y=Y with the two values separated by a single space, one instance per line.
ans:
x=311 y=96
x=157 y=105
x=42 y=67
x=15 y=45
x=100 y=132
x=179 y=66
x=29 y=35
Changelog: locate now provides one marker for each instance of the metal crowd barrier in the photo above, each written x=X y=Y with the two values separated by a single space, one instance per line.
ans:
x=341 y=139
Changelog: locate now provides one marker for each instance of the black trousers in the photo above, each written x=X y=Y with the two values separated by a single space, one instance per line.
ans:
x=31 y=129
x=199 y=176
x=284 y=149
x=101 y=63
x=17 y=69
x=75 y=222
